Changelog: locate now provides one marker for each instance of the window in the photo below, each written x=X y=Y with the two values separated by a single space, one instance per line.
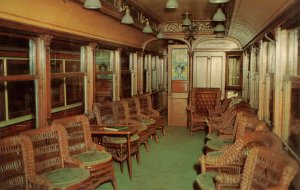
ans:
x=105 y=74
x=67 y=87
x=17 y=94
x=126 y=75
x=234 y=72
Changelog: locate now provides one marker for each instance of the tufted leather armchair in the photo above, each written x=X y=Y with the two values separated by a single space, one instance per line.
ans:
x=201 y=101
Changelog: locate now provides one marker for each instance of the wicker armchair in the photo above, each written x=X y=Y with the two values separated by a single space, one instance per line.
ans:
x=230 y=159
x=224 y=123
x=17 y=167
x=244 y=122
x=220 y=109
x=111 y=114
x=201 y=101
x=52 y=162
x=145 y=123
x=145 y=104
x=82 y=148
x=265 y=168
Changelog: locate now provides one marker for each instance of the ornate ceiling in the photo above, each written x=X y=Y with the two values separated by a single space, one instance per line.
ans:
x=245 y=18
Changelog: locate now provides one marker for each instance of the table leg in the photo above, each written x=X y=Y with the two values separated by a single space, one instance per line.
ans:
x=129 y=163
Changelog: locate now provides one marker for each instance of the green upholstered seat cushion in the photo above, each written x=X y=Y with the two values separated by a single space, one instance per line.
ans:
x=217 y=144
x=145 y=121
x=93 y=157
x=121 y=140
x=206 y=180
x=215 y=153
x=142 y=128
x=65 y=177
x=212 y=136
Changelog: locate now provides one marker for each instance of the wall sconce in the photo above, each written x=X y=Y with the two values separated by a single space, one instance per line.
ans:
x=218 y=1
x=147 y=28
x=219 y=16
x=172 y=4
x=127 y=18
x=92 y=4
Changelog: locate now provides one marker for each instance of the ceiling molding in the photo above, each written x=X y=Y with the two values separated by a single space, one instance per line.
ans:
x=206 y=27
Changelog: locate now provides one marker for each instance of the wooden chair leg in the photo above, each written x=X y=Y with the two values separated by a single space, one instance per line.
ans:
x=121 y=167
x=114 y=184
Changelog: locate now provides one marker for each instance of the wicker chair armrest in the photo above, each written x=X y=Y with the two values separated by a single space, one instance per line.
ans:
x=94 y=146
x=225 y=179
x=73 y=163
x=97 y=126
x=154 y=113
x=38 y=182
x=190 y=108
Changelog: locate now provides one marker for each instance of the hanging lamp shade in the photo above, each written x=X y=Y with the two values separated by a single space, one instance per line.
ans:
x=172 y=4
x=187 y=21
x=92 y=4
x=220 y=28
x=127 y=18
x=218 y=1
x=219 y=16
x=160 y=35
x=147 y=28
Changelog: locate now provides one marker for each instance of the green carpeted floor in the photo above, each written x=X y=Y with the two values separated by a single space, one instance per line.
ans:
x=172 y=164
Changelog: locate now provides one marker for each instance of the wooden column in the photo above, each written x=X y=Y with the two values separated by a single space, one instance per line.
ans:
x=262 y=99
x=191 y=64
x=280 y=71
x=43 y=73
x=117 y=83
x=140 y=68
x=89 y=77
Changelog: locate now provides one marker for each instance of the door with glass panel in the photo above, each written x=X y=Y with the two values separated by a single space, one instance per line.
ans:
x=178 y=83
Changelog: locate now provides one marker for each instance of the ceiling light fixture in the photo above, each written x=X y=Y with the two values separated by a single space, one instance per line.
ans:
x=172 y=4
x=187 y=21
x=160 y=35
x=218 y=1
x=92 y=4
x=219 y=16
x=127 y=18
x=220 y=28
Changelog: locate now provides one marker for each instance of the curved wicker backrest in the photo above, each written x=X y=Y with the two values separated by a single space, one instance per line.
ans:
x=16 y=158
x=134 y=111
x=266 y=168
x=205 y=99
x=111 y=112
x=79 y=133
x=241 y=147
x=145 y=103
x=50 y=147
x=245 y=121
